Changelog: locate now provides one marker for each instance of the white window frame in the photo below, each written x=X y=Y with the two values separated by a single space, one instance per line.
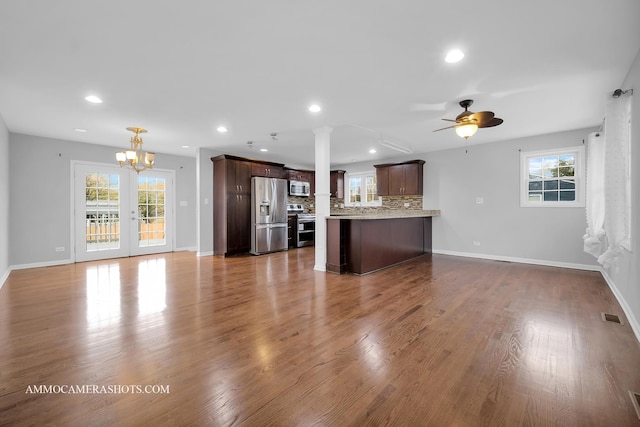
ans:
x=363 y=175
x=579 y=176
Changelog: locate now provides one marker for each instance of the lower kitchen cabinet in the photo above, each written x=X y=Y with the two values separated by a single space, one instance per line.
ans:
x=292 y=231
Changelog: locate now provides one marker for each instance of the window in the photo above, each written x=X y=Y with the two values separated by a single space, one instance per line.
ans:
x=552 y=178
x=361 y=189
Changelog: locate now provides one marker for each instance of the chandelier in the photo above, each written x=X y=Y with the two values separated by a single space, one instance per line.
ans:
x=134 y=158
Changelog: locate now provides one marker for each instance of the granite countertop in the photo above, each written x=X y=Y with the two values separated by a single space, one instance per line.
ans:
x=386 y=214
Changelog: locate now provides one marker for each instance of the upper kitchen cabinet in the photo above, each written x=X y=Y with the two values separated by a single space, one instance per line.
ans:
x=268 y=169
x=336 y=184
x=400 y=179
x=299 y=175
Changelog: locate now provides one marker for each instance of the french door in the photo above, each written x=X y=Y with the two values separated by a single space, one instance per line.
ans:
x=119 y=213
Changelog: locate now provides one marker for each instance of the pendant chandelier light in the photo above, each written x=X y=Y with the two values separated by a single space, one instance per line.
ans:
x=134 y=158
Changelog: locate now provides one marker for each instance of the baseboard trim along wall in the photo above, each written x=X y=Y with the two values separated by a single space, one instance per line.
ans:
x=188 y=249
x=41 y=264
x=635 y=324
x=209 y=253
x=521 y=260
x=4 y=278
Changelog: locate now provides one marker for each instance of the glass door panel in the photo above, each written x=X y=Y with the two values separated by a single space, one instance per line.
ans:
x=99 y=192
x=153 y=197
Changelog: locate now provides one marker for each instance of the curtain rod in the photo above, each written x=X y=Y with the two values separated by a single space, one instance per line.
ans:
x=619 y=92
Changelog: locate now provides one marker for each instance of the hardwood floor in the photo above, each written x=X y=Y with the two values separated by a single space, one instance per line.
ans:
x=267 y=341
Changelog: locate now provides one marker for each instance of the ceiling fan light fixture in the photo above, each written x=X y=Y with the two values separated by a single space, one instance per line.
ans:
x=454 y=56
x=465 y=131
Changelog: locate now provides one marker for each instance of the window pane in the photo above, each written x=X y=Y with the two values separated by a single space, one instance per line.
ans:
x=551 y=185
x=535 y=196
x=371 y=188
x=550 y=196
x=567 y=196
x=550 y=167
x=535 y=168
x=567 y=159
x=566 y=171
x=535 y=185
x=566 y=184
x=354 y=189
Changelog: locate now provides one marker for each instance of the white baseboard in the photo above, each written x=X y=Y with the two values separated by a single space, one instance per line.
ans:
x=633 y=322
x=41 y=264
x=190 y=249
x=520 y=260
x=4 y=277
x=208 y=253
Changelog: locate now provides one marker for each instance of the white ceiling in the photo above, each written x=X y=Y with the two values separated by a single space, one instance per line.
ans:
x=180 y=69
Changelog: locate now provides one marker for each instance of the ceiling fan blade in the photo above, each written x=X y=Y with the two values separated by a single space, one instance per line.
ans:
x=464 y=116
x=448 y=127
x=449 y=120
x=481 y=117
x=491 y=123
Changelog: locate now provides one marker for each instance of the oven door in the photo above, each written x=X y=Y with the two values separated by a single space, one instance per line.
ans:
x=306 y=232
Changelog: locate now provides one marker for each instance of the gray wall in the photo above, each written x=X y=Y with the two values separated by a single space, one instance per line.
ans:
x=452 y=181
x=4 y=202
x=205 y=200
x=625 y=275
x=39 y=196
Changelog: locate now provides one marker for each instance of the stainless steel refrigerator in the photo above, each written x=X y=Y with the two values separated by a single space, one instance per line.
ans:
x=268 y=215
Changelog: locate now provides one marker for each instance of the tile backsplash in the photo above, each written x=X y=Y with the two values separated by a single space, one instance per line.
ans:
x=388 y=203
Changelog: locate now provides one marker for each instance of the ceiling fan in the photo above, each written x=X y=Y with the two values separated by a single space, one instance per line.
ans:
x=468 y=122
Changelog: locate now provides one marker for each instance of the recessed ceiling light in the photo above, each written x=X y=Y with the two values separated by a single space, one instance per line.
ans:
x=221 y=129
x=315 y=108
x=93 y=99
x=263 y=149
x=373 y=151
x=454 y=56
x=184 y=146
x=80 y=130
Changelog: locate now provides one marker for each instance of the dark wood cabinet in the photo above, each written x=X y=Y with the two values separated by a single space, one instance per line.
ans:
x=336 y=184
x=299 y=175
x=269 y=170
x=363 y=246
x=232 y=200
x=400 y=179
x=231 y=205
x=238 y=177
x=238 y=223
x=292 y=233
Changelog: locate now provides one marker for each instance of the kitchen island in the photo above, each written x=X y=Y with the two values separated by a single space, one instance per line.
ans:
x=364 y=243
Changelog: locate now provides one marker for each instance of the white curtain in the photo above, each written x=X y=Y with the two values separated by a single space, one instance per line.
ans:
x=608 y=185
x=594 y=240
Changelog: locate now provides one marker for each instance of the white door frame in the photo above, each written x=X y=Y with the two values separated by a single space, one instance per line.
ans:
x=170 y=206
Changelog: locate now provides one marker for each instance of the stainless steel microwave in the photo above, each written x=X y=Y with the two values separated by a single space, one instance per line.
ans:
x=299 y=188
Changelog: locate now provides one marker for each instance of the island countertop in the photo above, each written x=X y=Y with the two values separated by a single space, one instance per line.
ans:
x=388 y=214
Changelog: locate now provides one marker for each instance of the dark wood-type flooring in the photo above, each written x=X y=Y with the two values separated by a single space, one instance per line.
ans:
x=267 y=341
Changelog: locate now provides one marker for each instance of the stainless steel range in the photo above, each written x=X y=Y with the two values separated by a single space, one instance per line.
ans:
x=305 y=225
